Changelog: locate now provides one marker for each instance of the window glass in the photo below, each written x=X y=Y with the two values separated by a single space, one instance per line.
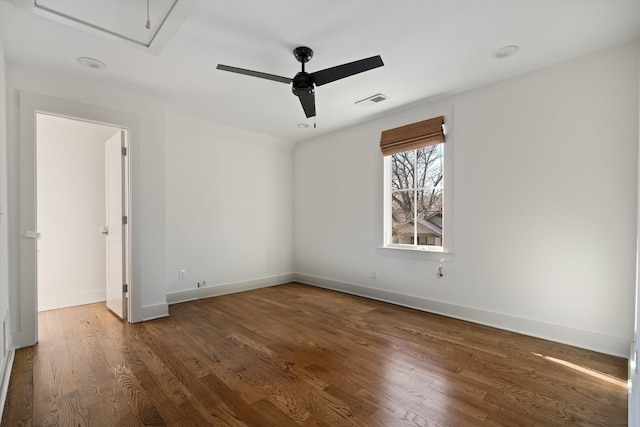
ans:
x=416 y=197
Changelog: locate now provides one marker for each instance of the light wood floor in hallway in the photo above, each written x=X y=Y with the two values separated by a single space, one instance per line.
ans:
x=298 y=355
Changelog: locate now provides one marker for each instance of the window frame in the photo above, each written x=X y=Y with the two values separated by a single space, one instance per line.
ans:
x=447 y=205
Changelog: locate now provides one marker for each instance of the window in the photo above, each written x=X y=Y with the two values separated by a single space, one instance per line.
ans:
x=414 y=158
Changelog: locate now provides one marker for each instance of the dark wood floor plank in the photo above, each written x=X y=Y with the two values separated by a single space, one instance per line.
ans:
x=137 y=396
x=20 y=397
x=295 y=355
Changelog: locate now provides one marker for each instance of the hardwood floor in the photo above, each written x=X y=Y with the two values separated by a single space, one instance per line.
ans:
x=299 y=355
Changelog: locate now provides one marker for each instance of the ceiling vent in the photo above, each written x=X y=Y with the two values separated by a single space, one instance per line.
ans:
x=373 y=99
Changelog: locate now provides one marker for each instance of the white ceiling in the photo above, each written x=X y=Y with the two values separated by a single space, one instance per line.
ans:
x=430 y=48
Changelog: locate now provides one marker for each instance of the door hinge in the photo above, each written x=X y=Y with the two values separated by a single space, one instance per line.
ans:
x=125 y=220
x=124 y=151
x=125 y=288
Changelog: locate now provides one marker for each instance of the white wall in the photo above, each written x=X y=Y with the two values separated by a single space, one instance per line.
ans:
x=147 y=214
x=71 y=211
x=5 y=336
x=544 y=208
x=229 y=208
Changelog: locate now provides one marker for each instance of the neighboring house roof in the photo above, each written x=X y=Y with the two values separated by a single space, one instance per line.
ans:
x=426 y=225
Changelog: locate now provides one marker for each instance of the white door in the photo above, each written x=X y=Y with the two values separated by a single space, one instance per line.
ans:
x=116 y=225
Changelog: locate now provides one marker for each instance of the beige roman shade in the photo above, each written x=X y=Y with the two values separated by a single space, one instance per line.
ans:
x=409 y=137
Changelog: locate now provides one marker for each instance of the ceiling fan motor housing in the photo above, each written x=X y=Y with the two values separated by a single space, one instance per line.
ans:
x=302 y=83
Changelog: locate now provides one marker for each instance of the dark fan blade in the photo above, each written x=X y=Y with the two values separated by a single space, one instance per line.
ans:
x=254 y=73
x=308 y=101
x=345 y=70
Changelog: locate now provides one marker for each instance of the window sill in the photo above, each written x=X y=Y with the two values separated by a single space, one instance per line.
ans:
x=418 y=252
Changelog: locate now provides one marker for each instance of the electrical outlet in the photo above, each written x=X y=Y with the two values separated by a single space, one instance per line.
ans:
x=374 y=274
x=182 y=274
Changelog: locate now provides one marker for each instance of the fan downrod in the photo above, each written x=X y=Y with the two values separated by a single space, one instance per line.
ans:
x=303 y=54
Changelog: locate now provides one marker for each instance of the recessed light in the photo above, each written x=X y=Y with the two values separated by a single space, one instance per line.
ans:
x=303 y=125
x=505 y=52
x=91 y=63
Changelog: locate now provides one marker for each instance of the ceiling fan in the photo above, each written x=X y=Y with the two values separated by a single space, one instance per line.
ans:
x=303 y=83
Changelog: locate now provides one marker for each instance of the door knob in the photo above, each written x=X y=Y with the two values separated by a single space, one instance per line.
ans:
x=30 y=234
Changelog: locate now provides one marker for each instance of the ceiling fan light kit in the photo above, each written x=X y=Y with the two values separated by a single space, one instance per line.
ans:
x=303 y=84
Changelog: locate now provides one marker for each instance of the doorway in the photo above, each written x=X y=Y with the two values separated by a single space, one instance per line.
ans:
x=71 y=208
x=30 y=105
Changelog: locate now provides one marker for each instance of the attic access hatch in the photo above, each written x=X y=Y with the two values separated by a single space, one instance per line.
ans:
x=122 y=20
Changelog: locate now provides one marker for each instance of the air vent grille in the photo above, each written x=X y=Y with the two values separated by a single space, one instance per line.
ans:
x=373 y=99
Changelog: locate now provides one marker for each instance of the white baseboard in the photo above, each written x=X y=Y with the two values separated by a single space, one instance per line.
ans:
x=150 y=312
x=6 y=376
x=52 y=302
x=616 y=346
x=227 y=288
